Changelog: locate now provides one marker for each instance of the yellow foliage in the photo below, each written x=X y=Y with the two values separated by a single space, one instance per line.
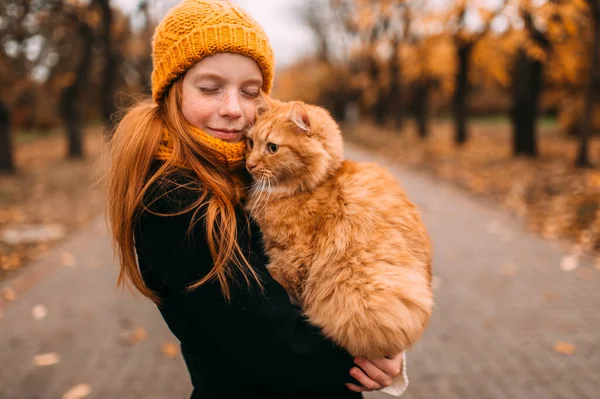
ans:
x=492 y=60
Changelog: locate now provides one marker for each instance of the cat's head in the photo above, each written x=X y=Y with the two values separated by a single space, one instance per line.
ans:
x=293 y=146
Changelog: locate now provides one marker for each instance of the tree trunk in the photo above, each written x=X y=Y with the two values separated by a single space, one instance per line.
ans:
x=395 y=103
x=421 y=100
x=461 y=93
x=380 y=106
x=583 y=158
x=110 y=68
x=70 y=102
x=7 y=164
x=527 y=86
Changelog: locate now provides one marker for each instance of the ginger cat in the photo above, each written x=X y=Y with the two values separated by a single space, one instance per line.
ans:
x=342 y=237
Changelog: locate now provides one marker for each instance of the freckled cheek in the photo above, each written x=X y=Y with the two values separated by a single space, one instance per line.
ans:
x=199 y=113
x=249 y=112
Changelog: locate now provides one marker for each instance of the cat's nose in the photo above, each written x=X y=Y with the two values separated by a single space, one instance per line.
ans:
x=250 y=165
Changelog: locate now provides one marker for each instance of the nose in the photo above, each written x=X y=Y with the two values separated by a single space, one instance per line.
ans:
x=231 y=106
x=250 y=165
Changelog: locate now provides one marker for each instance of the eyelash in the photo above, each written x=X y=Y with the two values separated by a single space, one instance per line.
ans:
x=251 y=95
x=207 y=90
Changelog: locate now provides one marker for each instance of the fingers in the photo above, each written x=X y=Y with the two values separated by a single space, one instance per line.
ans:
x=375 y=374
x=392 y=366
x=367 y=384
x=355 y=388
x=376 y=377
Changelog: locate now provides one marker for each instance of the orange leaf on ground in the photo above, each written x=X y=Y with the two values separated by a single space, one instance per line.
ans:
x=78 y=392
x=138 y=335
x=569 y=263
x=564 y=348
x=9 y=294
x=46 y=359
x=170 y=349
x=39 y=312
x=67 y=259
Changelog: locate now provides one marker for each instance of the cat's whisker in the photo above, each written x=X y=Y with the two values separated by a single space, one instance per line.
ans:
x=262 y=191
x=259 y=191
x=268 y=196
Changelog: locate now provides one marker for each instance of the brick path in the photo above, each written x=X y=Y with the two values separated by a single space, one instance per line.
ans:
x=502 y=304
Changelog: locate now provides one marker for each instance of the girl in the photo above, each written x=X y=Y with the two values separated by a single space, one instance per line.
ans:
x=174 y=192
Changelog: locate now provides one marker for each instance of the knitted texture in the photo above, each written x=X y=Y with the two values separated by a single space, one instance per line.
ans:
x=232 y=152
x=195 y=29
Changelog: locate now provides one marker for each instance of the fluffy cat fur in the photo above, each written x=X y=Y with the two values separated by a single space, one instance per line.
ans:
x=342 y=237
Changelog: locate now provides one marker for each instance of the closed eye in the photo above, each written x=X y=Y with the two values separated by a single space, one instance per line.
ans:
x=251 y=94
x=250 y=143
x=208 y=90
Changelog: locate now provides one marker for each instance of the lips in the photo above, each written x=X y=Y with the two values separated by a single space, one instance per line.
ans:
x=226 y=134
x=226 y=130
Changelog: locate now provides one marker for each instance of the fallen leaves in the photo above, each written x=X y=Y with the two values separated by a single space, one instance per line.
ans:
x=564 y=348
x=134 y=336
x=10 y=262
x=39 y=312
x=170 y=349
x=553 y=198
x=67 y=259
x=78 y=392
x=138 y=335
x=46 y=203
x=46 y=359
x=9 y=294
x=569 y=263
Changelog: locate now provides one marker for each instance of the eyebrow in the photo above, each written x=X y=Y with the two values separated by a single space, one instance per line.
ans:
x=216 y=76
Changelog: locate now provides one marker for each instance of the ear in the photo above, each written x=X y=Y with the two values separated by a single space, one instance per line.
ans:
x=299 y=116
x=264 y=104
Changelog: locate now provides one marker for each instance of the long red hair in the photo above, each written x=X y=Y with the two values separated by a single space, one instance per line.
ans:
x=131 y=152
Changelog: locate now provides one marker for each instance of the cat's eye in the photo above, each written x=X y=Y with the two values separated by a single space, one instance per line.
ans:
x=272 y=148
x=250 y=143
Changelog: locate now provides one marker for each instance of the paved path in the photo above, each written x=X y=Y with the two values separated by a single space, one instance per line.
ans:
x=502 y=304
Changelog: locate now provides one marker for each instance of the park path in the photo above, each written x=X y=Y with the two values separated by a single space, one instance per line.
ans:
x=502 y=304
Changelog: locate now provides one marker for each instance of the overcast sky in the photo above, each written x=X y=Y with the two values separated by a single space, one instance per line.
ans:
x=289 y=38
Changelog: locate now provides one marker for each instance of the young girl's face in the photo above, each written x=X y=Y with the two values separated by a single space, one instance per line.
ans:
x=220 y=95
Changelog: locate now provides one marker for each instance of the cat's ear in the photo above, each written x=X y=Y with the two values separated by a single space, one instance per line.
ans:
x=299 y=116
x=264 y=104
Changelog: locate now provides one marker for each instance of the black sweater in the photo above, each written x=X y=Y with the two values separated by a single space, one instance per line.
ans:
x=259 y=345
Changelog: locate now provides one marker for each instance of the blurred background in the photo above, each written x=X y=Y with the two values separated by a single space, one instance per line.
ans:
x=497 y=97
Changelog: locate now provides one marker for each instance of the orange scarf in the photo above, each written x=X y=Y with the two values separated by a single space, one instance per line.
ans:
x=233 y=152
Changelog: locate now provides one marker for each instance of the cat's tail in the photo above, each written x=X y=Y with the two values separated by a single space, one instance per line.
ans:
x=371 y=314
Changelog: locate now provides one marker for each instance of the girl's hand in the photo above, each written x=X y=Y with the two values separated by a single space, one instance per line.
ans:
x=375 y=374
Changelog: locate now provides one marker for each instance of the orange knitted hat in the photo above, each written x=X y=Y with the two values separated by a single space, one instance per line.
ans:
x=195 y=29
